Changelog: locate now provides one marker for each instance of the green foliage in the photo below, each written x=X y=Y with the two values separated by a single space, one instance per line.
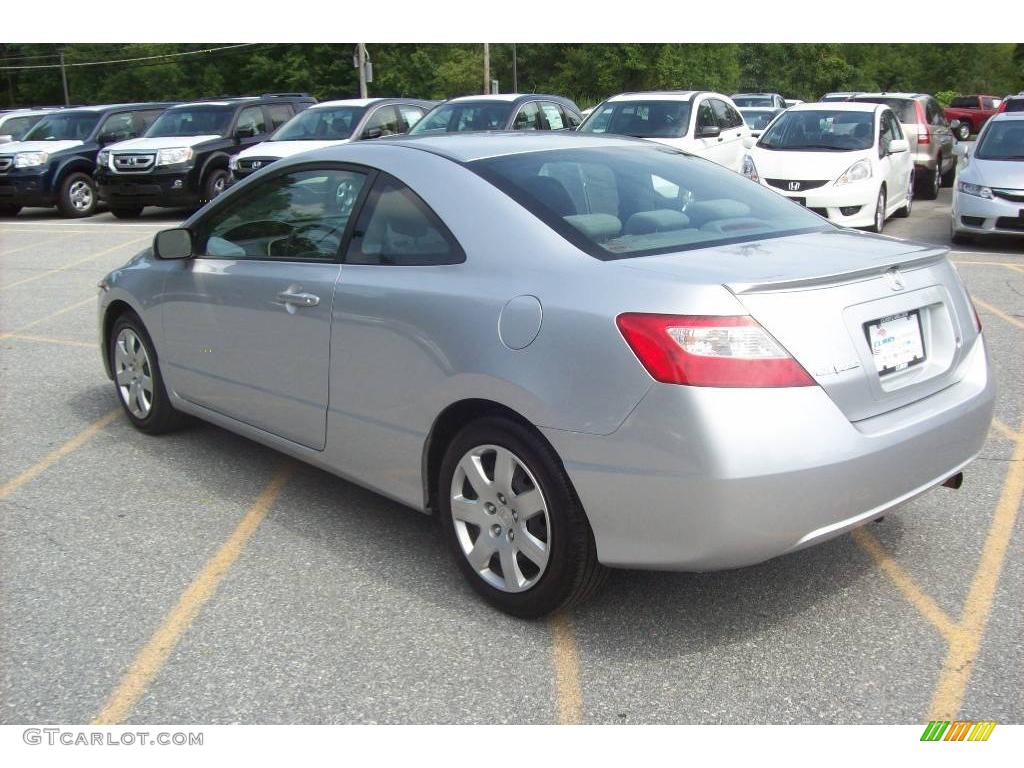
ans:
x=590 y=72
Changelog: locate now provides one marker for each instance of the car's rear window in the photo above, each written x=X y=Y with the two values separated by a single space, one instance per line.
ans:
x=964 y=102
x=904 y=108
x=621 y=202
x=1014 y=105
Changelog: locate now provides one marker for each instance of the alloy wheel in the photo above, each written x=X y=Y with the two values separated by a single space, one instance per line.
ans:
x=80 y=195
x=501 y=518
x=133 y=373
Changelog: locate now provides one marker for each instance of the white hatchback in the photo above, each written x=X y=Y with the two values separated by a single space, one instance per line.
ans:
x=702 y=123
x=847 y=161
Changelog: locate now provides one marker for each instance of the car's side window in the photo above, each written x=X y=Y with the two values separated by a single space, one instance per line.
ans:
x=145 y=119
x=297 y=216
x=934 y=113
x=528 y=118
x=396 y=228
x=705 y=115
x=553 y=116
x=735 y=118
x=888 y=130
x=410 y=115
x=384 y=122
x=722 y=117
x=279 y=114
x=252 y=120
x=118 y=127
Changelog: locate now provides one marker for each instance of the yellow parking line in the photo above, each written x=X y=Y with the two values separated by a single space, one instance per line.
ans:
x=565 y=658
x=53 y=457
x=64 y=236
x=998 y=313
x=1005 y=431
x=50 y=340
x=963 y=650
x=49 y=272
x=17 y=331
x=154 y=654
x=903 y=581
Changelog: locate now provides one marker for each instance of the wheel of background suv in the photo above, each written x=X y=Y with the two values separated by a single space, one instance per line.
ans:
x=513 y=522
x=963 y=131
x=949 y=176
x=77 y=197
x=931 y=181
x=9 y=210
x=904 y=212
x=127 y=213
x=879 y=224
x=216 y=182
x=137 y=379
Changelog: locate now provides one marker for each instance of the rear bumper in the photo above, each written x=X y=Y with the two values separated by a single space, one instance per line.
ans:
x=995 y=215
x=707 y=479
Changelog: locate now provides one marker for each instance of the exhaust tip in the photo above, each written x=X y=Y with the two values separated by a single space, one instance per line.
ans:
x=955 y=481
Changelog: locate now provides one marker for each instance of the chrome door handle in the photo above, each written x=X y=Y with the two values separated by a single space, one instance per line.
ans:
x=298 y=299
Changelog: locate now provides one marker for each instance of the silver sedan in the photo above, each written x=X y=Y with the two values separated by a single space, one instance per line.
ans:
x=576 y=351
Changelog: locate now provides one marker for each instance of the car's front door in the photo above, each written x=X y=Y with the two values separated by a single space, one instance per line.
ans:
x=733 y=131
x=247 y=320
x=711 y=147
x=895 y=166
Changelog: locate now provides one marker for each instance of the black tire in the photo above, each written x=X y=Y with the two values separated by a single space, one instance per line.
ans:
x=959 y=238
x=882 y=201
x=572 y=573
x=9 y=210
x=127 y=213
x=949 y=176
x=904 y=212
x=215 y=184
x=77 y=197
x=963 y=131
x=162 y=416
x=930 y=183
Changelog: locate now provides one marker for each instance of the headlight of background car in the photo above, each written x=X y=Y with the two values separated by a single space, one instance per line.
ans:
x=103 y=158
x=859 y=171
x=233 y=163
x=174 y=155
x=30 y=159
x=975 y=189
x=749 y=169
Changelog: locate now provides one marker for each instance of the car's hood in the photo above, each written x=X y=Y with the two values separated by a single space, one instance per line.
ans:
x=804 y=166
x=1005 y=174
x=287 y=148
x=39 y=146
x=161 y=142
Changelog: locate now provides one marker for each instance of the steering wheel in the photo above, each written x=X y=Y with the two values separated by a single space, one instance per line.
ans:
x=299 y=240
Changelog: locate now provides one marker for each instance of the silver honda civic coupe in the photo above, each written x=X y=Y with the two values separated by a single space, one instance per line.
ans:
x=577 y=351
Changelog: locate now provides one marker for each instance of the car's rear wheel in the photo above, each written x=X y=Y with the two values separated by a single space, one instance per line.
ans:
x=963 y=131
x=127 y=213
x=77 y=198
x=9 y=210
x=513 y=522
x=137 y=379
x=949 y=176
x=930 y=181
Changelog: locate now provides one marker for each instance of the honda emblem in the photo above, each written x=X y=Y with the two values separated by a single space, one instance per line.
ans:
x=895 y=279
x=794 y=186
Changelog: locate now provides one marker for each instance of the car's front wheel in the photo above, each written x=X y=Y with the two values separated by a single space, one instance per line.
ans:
x=513 y=522
x=137 y=379
x=879 y=223
x=904 y=211
x=216 y=182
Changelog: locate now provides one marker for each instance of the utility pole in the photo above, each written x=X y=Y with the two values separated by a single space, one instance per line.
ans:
x=64 y=79
x=361 y=65
x=487 y=68
x=515 y=72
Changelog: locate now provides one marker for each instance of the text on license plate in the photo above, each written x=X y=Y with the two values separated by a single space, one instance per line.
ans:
x=896 y=341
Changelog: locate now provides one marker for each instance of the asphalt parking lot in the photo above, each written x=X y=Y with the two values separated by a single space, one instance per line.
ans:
x=200 y=577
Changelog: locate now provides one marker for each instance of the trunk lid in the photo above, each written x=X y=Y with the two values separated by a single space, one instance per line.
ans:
x=818 y=294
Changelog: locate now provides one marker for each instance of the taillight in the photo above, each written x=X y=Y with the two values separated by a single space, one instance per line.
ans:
x=925 y=136
x=710 y=351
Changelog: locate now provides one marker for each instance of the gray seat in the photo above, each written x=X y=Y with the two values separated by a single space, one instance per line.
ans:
x=662 y=220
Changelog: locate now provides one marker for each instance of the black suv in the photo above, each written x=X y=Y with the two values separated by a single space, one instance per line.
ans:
x=182 y=161
x=53 y=164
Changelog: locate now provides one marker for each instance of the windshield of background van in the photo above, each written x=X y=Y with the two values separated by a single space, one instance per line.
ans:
x=63 y=127
x=321 y=124
x=643 y=119
x=1003 y=140
x=471 y=116
x=753 y=101
x=821 y=131
x=619 y=202
x=757 y=119
x=191 y=121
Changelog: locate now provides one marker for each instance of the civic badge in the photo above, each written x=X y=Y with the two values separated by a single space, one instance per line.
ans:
x=895 y=279
x=794 y=186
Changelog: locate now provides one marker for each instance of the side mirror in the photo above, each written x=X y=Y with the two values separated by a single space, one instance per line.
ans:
x=173 y=244
x=245 y=132
x=898 y=145
x=373 y=133
x=708 y=132
x=954 y=124
x=750 y=141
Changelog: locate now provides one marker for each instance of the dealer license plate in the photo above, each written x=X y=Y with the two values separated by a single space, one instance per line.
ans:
x=896 y=341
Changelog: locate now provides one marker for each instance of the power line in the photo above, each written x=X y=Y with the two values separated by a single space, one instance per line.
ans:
x=125 y=61
x=22 y=57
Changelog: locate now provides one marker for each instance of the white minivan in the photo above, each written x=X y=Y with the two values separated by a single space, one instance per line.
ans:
x=702 y=123
x=847 y=161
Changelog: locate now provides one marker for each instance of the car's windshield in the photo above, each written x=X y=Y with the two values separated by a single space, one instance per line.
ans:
x=620 y=202
x=320 y=124
x=753 y=101
x=820 y=130
x=465 y=116
x=654 y=119
x=64 y=126
x=192 y=121
x=904 y=108
x=964 y=102
x=758 y=119
x=1002 y=140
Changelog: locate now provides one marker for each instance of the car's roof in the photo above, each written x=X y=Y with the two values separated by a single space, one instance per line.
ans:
x=654 y=96
x=865 y=94
x=27 y=112
x=112 y=107
x=756 y=93
x=762 y=109
x=469 y=146
x=370 y=102
x=836 y=106
x=505 y=97
x=1004 y=116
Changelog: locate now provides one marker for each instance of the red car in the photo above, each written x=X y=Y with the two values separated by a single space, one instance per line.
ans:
x=972 y=112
